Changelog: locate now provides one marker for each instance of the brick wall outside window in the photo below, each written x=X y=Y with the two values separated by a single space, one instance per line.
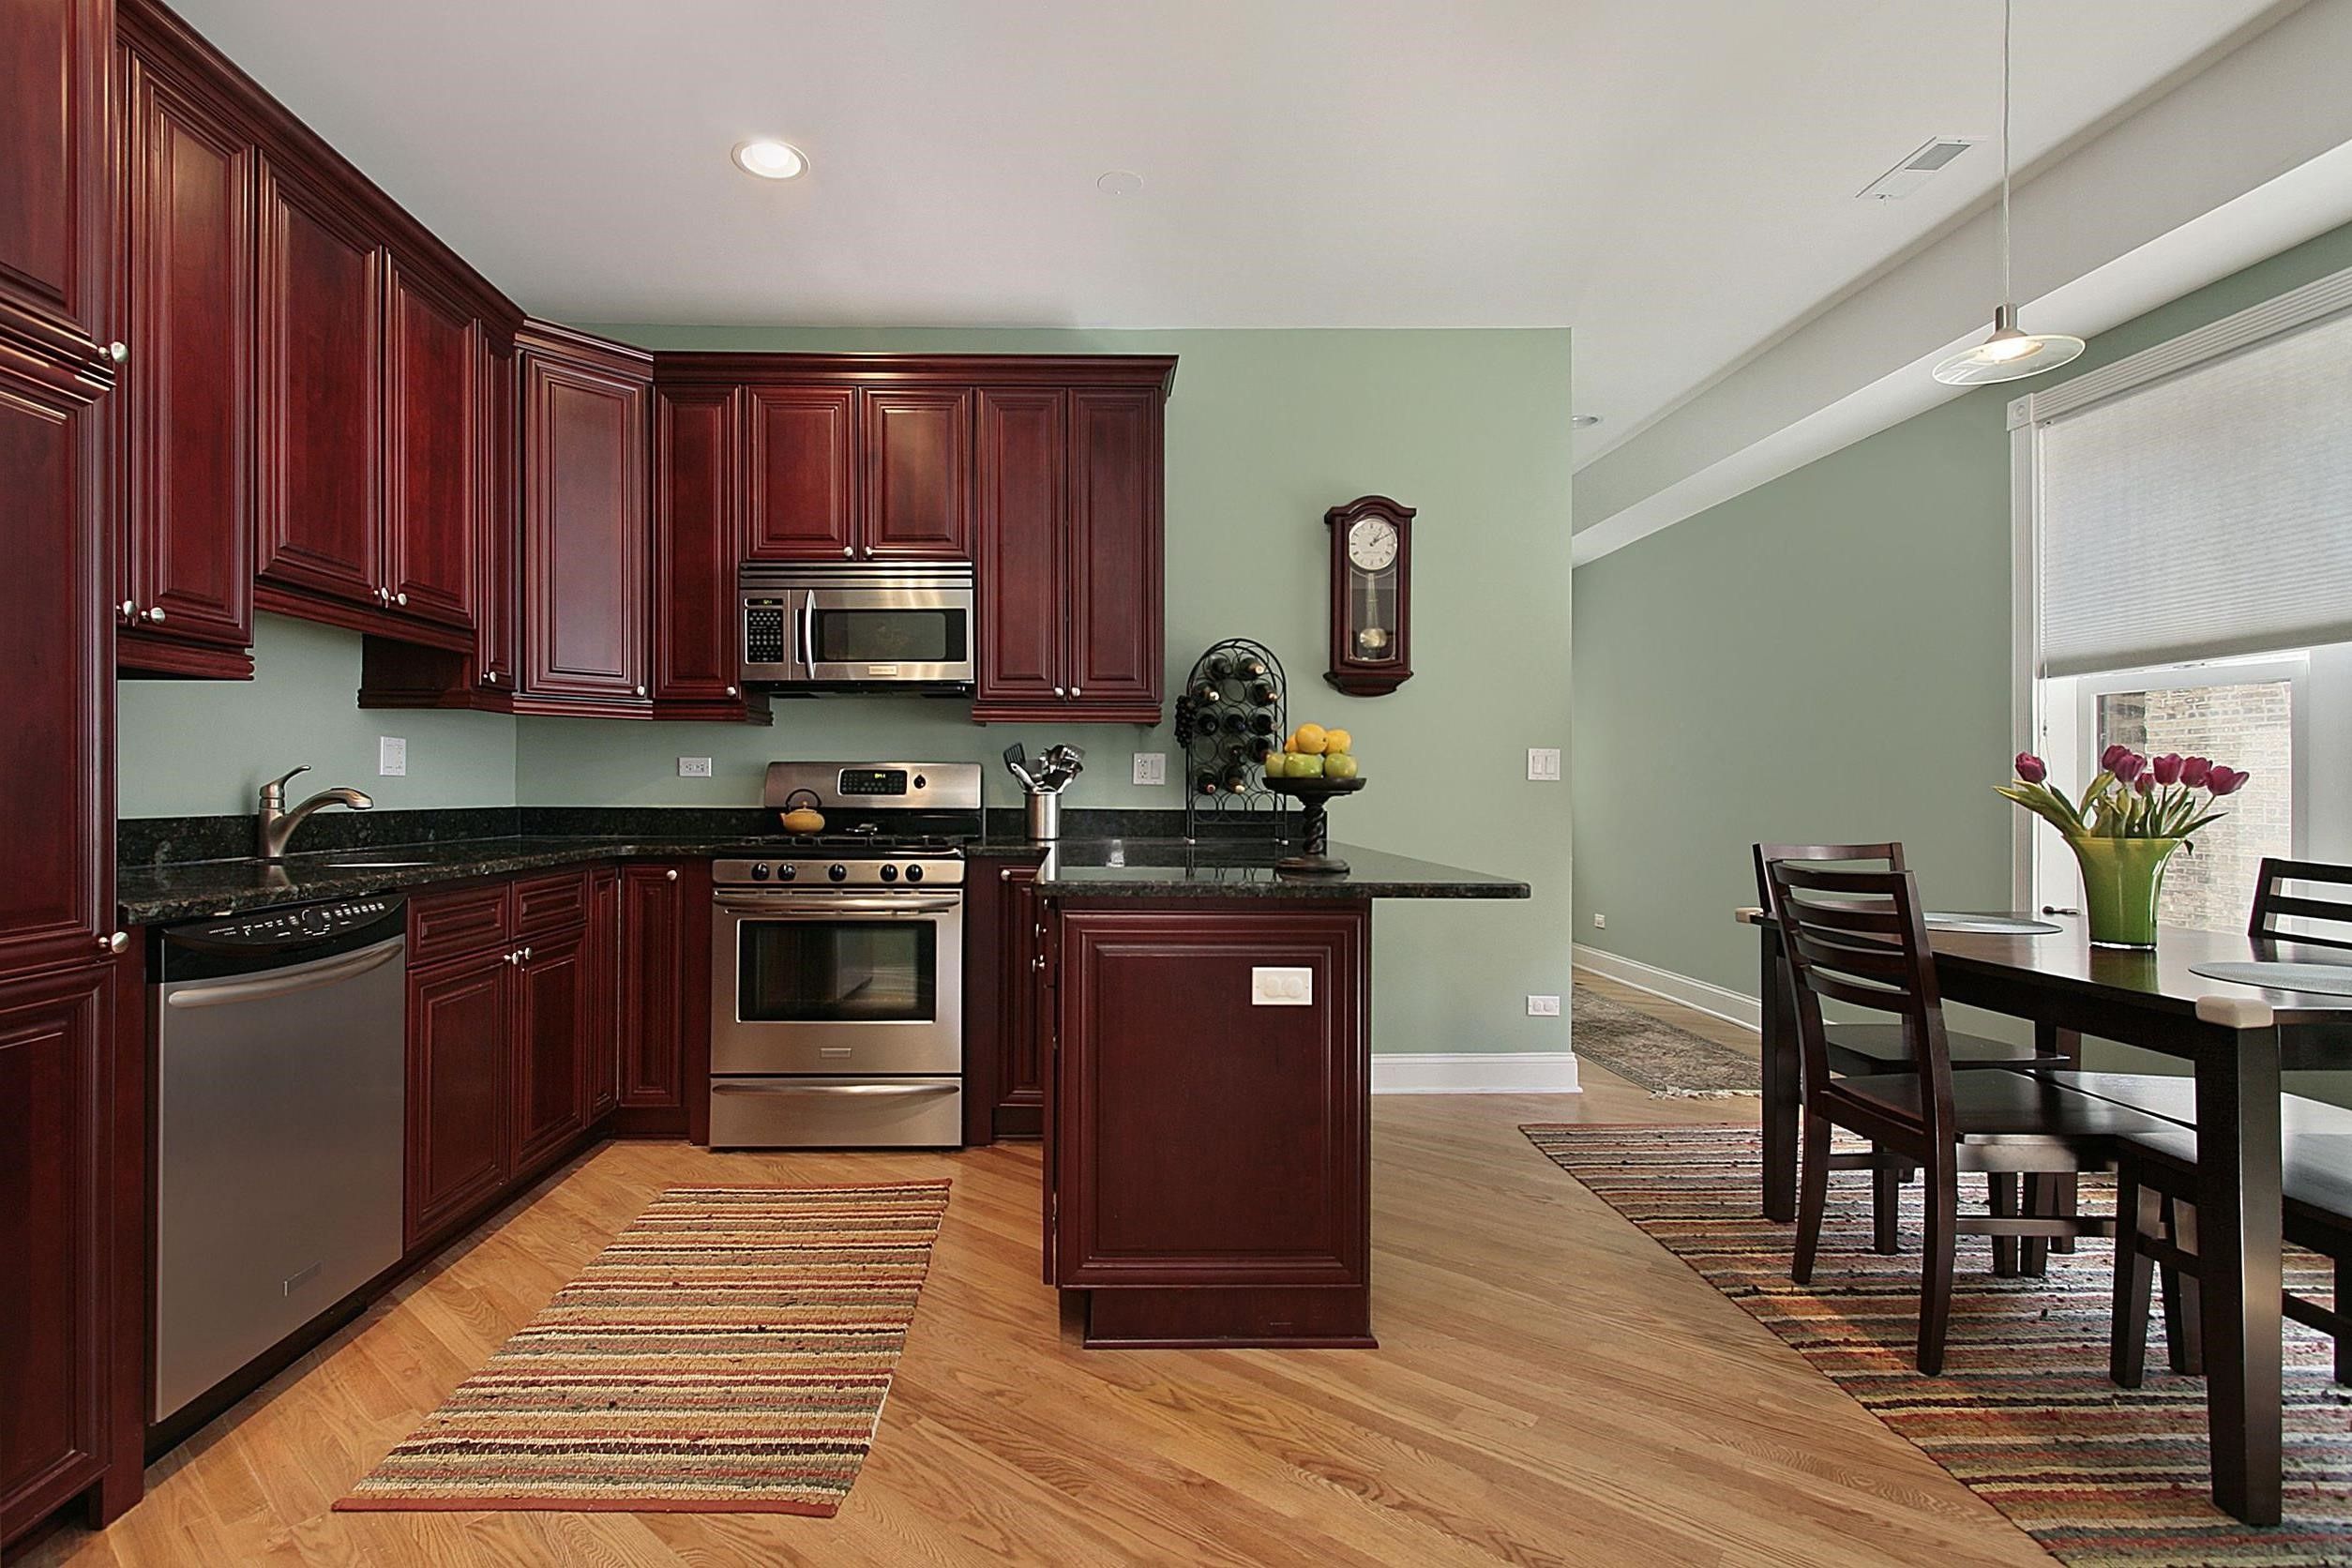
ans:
x=2249 y=727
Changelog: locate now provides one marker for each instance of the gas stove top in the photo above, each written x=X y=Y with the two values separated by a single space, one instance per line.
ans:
x=887 y=826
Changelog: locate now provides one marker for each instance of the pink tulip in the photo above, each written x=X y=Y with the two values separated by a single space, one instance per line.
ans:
x=2225 y=782
x=2031 y=768
x=2114 y=754
x=2168 y=768
x=2147 y=783
x=2196 y=770
x=2127 y=767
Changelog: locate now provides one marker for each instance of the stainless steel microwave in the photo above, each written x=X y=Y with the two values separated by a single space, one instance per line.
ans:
x=863 y=624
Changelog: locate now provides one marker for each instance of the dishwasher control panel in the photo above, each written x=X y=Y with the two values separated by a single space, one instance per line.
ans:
x=233 y=944
x=302 y=925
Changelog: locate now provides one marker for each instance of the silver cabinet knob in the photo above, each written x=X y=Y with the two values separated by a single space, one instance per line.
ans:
x=515 y=957
x=489 y=677
x=119 y=351
x=640 y=691
x=399 y=598
x=731 y=691
x=1037 y=962
x=155 y=614
x=129 y=611
x=526 y=954
x=670 y=875
x=1059 y=692
x=1076 y=692
x=119 y=942
x=848 y=552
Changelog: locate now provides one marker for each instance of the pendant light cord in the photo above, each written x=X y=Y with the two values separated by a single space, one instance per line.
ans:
x=2008 y=12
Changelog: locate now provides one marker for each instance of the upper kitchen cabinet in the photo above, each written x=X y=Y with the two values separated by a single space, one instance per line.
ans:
x=1023 y=484
x=1113 y=553
x=802 y=469
x=182 y=414
x=433 y=438
x=918 y=476
x=697 y=532
x=585 y=545
x=53 y=195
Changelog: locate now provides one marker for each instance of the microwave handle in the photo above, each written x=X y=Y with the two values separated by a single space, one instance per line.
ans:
x=804 y=631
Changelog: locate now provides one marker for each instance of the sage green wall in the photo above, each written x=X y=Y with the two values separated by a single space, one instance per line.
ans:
x=1824 y=657
x=202 y=747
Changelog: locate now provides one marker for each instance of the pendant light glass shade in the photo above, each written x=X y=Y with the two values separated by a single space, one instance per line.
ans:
x=2010 y=354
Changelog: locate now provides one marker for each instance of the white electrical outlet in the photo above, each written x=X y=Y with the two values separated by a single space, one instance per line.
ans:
x=694 y=767
x=391 y=757
x=1543 y=764
x=1600 y=921
x=1151 y=767
x=1282 y=987
x=1543 y=1007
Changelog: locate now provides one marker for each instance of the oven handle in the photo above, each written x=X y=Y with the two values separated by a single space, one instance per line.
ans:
x=724 y=1087
x=822 y=906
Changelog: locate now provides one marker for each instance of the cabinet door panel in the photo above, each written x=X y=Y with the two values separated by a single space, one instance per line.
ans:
x=56 y=1151
x=496 y=614
x=584 y=542
x=320 y=411
x=652 y=957
x=551 y=1044
x=460 y=1025
x=54 y=58
x=432 y=440
x=1267 y=1185
x=1116 y=649
x=601 y=1083
x=56 y=899
x=1023 y=483
x=1021 y=1084
x=185 y=399
x=698 y=530
x=803 y=488
x=918 y=463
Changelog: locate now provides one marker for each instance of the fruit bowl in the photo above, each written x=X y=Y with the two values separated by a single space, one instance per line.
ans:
x=1314 y=794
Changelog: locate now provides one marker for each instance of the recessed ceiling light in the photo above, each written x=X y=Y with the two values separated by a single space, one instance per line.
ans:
x=1584 y=421
x=771 y=160
x=1120 y=182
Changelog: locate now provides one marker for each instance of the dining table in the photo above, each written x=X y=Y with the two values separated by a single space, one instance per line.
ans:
x=2045 y=969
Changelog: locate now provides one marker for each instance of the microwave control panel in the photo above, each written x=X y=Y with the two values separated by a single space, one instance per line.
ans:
x=763 y=632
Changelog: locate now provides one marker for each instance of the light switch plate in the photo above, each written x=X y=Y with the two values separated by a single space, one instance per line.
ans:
x=1151 y=767
x=1543 y=764
x=391 y=757
x=694 y=767
x=1282 y=987
x=1543 y=1007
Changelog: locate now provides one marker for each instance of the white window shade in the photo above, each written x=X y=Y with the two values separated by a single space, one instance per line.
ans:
x=2204 y=515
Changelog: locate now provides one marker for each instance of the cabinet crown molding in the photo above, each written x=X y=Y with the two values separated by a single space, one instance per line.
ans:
x=753 y=368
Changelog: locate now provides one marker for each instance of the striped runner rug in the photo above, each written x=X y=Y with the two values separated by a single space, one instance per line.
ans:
x=729 y=1352
x=2023 y=1413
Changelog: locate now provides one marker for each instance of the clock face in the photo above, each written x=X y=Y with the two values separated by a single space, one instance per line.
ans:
x=1372 y=544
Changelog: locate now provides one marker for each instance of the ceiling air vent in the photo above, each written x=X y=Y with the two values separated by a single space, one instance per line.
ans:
x=1916 y=170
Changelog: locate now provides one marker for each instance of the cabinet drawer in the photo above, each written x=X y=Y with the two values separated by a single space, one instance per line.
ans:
x=449 y=924
x=550 y=903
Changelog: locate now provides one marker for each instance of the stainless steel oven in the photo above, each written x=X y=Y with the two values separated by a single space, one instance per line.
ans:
x=856 y=625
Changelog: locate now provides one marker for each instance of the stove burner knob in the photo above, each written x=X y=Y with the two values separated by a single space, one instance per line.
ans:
x=889 y=873
x=759 y=873
x=915 y=873
x=839 y=873
x=788 y=872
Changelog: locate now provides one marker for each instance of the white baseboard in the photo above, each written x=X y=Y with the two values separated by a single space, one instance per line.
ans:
x=1715 y=1000
x=1532 y=1072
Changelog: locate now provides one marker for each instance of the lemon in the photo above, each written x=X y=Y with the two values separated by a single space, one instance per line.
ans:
x=1337 y=741
x=1311 y=739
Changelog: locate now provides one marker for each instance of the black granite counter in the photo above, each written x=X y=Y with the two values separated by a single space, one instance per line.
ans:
x=1245 y=869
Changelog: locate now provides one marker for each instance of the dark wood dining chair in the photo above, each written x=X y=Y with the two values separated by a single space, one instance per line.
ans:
x=1860 y=938
x=2156 y=1183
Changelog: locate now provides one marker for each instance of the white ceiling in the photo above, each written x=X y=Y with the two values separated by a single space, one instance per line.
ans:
x=1674 y=179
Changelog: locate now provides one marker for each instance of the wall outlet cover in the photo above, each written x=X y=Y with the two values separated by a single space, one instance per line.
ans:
x=1281 y=987
x=1543 y=764
x=1543 y=1007
x=391 y=757
x=1151 y=767
x=694 y=767
x=1600 y=921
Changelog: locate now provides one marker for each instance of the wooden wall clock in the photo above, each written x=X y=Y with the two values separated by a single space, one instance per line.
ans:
x=1371 y=596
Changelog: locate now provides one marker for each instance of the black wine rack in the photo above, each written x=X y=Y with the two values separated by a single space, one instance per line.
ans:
x=1235 y=702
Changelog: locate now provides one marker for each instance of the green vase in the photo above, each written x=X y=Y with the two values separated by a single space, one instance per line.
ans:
x=2121 y=878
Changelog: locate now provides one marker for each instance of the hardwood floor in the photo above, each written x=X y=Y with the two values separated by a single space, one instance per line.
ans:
x=1551 y=1388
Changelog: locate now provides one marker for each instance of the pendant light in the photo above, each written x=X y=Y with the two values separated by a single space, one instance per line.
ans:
x=2009 y=353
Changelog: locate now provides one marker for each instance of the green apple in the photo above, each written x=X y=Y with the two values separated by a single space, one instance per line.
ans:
x=1277 y=764
x=1306 y=764
x=1339 y=766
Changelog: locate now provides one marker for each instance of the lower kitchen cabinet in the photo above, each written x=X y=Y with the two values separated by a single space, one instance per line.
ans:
x=600 y=1070
x=458 y=1116
x=664 y=964
x=554 y=1003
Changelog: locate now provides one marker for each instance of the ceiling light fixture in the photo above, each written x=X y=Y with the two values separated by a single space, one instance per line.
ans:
x=1120 y=182
x=1584 y=421
x=2010 y=354
x=771 y=160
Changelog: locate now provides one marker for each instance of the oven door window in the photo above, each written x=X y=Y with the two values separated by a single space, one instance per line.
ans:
x=860 y=636
x=836 y=972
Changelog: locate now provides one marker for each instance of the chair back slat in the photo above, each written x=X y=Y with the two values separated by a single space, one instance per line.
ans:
x=1766 y=855
x=2273 y=903
x=1831 y=956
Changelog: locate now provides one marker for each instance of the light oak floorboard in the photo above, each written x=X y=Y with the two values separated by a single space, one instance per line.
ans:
x=1552 y=1388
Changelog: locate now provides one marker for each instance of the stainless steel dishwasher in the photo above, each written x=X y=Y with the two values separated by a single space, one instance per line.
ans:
x=280 y=1043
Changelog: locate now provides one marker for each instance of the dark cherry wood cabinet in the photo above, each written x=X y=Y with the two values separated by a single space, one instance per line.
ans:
x=600 y=1070
x=460 y=1123
x=1023 y=483
x=1114 y=553
x=55 y=56
x=1003 y=944
x=554 y=1017
x=319 y=530
x=182 y=417
x=1210 y=1163
x=431 y=439
x=663 y=908
x=918 y=475
x=696 y=544
x=802 y=471
x=585 y=547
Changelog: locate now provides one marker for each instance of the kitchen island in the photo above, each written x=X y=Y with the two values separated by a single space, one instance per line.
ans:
x=1205 y=1027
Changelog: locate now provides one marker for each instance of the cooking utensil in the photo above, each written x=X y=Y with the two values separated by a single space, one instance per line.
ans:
x=1016 y=758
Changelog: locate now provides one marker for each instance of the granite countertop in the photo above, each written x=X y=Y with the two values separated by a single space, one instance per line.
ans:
x=1163 y=867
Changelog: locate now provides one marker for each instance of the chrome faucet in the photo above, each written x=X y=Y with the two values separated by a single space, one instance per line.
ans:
x=275 y=825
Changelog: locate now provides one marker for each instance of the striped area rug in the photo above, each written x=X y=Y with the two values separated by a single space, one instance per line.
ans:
x=729 y=1352
x=2023 y=1413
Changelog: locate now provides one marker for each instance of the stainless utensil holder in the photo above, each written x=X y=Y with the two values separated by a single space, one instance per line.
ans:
x=1045 y=817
